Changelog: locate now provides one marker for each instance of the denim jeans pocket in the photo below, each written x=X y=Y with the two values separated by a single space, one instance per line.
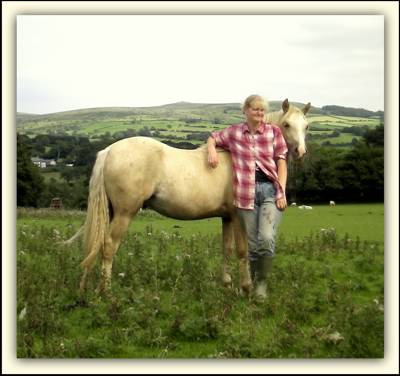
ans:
x=268 y=192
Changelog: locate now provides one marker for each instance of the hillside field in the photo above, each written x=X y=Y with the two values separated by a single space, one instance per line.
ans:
x=173 y=122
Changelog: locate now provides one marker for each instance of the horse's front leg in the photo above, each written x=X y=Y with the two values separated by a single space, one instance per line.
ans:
x=242 y=250
x=227 y=248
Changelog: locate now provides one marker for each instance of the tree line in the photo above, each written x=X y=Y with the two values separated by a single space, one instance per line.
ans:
x=350 y=111
x=355 y=174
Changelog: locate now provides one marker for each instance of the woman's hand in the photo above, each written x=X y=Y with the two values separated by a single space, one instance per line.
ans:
x=212 y=153
x=281 y=203
x=213 y=158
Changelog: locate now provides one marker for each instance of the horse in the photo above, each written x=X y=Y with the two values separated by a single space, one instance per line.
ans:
x=141 y=172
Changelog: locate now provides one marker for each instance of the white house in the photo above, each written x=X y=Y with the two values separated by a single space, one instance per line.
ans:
x=43 y=163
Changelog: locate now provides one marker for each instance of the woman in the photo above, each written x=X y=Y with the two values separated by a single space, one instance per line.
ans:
x=258 y=152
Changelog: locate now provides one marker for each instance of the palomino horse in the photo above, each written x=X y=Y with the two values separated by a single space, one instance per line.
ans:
x=141 y=172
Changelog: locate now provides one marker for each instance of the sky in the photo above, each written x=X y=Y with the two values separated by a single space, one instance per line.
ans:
x=67 y=62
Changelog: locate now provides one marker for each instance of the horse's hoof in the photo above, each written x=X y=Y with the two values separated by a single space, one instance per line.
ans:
x=246 y=289
x=103 y=291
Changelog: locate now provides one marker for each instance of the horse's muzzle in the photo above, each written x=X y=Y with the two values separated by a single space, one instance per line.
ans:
x=299 y=152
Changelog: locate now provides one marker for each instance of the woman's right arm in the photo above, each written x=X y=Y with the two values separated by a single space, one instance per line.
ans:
x=212 y=152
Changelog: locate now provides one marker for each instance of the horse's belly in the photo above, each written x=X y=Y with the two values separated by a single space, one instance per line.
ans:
x=188 y=188
x=191 y=206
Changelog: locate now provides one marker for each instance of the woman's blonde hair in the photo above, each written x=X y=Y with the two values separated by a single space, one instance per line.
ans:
x=254 y=98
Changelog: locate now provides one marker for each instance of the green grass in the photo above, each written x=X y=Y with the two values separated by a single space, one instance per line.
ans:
x=343 y=121
x=365 y=221
x=167 y=300
x=50 y=175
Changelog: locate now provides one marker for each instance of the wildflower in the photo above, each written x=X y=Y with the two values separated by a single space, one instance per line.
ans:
x=56 y=233
x=380 y=306
x=122 y=275
x=22 y=314
x=334 y=337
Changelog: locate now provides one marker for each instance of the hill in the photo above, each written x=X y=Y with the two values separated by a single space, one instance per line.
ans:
x=350 y=111
x=185 y=121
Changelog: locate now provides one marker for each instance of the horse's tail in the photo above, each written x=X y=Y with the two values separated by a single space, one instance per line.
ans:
x=97 y=217
x=75 y=237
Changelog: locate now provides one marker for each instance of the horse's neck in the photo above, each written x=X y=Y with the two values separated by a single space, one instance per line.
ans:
x=274 y=117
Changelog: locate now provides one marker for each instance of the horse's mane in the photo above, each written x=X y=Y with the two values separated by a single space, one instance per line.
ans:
x=273 y=117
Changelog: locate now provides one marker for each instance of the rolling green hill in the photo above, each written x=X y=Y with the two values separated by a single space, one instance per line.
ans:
x=182 y=121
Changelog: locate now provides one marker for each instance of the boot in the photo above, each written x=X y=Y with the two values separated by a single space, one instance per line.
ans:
x=259 y=270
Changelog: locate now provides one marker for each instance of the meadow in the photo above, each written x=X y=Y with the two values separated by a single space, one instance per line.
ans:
x=325 y=293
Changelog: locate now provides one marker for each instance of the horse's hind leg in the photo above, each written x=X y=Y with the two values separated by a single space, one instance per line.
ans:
x=117 y=228
x=227 y=247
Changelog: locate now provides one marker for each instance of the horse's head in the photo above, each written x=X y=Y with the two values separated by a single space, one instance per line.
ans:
x=294 y=126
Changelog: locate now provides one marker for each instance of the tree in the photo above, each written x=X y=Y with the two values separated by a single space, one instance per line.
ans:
x=362 y=169
x=30 y=183
x=375 y=137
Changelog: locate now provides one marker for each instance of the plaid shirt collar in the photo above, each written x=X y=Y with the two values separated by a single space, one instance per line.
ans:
x=260 y=128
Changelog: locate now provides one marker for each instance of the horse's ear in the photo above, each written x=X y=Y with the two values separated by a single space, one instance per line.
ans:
x=285 y=106
x=306 y=108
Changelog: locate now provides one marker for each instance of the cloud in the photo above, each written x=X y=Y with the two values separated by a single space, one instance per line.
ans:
x=90 y=61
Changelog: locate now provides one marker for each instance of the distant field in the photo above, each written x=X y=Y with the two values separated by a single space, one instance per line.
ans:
x=50 y=175
x=168 y=128
x=344 y=138
x=343 y=120
x=171 y=121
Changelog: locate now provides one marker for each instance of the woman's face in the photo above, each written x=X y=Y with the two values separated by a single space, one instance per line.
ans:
x=255 y=112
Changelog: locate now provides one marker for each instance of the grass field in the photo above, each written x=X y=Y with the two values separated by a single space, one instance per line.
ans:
x=326 y=291
x=50 y=175
x=365 y=221
x=343 y=120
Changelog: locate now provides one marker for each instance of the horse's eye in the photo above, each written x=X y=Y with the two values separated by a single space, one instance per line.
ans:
x=286 y=125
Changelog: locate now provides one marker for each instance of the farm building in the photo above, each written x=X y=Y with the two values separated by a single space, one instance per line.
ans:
x=43 y=163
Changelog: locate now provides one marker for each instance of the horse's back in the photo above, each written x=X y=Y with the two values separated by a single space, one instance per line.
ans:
x=176 y=182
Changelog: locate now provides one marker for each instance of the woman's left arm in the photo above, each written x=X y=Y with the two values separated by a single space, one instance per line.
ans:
x=282 y=178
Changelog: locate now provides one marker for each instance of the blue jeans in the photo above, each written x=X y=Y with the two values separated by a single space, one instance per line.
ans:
x=261 y=223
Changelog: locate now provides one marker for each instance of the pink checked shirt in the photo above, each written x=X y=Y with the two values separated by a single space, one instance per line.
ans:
x=264 y=148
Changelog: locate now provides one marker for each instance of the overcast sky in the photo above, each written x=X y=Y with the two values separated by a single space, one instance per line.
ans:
x=67 y=62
